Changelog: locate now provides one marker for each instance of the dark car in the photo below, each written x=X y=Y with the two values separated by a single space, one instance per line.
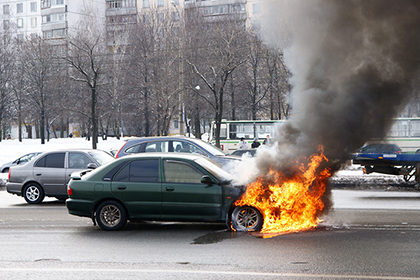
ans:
x=174 y=144
x=159 y=187
x=241 y=152
x=49 y=173
x=22 y=160
x=380 y=148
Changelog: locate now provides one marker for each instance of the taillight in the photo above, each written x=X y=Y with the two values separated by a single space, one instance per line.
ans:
x=10 y=170
x=69 y=190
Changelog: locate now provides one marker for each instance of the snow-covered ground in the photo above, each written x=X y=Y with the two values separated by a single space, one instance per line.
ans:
x=13 y=149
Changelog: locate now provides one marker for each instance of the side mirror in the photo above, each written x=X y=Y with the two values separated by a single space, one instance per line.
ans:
x=206 y=180
x=91 y=165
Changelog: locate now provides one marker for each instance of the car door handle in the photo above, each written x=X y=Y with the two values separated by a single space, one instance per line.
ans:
x=39 y=174
x=170 y=189
x=121 y=187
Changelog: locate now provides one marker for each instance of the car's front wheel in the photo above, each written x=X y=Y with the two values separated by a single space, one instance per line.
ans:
x=246 y=218
x=33 y=193
x=111 y=215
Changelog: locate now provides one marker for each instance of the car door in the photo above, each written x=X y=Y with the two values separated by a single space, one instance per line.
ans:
x=184 y=197
x=49 y=171
x=137 y=185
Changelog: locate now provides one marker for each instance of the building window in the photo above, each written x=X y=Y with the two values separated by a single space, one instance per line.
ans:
x=46 y=34
x=33 y=7
x=6 y=24
x=57 y=2
x=45 y=4
x=46 y=18
x=59 y=33
x=19 y=8
x=146 y=4
x=34 y=22
x=146 y=18
x=20 y=23
x=161 y=3
x=6 y=10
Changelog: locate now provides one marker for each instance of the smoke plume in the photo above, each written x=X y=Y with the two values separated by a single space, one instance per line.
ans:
x=352 y=63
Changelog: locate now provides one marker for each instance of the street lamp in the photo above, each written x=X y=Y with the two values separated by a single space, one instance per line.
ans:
x=181 y=78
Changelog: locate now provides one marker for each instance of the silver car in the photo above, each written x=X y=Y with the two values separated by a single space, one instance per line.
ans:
x=22 y=160
x=49 y=173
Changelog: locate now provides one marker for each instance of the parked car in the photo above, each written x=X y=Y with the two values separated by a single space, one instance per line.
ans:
x=49 y=173
x=22 y=160
x=241 y=152
x=159 y=186
x=380 y=148
x=174 y=144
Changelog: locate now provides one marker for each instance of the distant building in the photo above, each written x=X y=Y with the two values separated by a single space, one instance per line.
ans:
x=49 y=19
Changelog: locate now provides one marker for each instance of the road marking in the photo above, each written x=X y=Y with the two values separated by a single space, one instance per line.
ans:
x=205 y=272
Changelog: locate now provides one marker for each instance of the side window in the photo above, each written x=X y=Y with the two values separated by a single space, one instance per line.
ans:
x=135 y=149
x=52 y=161
x=142 y=171
x=180 y=172
x=184 y=147
x=157 y=146
x=78 y=160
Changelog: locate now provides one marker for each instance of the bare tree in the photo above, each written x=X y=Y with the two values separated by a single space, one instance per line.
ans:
x=87 y=56
x=39 y=70
x=154 y=71
x=222 y=51
x=7 y=58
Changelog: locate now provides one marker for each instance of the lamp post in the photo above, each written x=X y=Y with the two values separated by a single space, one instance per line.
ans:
x=181 y=78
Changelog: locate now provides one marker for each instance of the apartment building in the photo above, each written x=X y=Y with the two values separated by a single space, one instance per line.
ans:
x=50 y=19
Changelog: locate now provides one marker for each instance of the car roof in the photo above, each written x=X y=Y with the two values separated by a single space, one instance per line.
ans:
x=166 y=155
x=175 y=137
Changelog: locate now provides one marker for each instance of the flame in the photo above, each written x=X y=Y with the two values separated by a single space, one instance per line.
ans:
x=289 y=204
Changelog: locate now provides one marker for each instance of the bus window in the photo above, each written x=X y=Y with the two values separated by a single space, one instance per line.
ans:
x=232 y=131
x=223 y=131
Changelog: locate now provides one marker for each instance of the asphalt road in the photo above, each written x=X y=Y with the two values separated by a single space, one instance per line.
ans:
x=368 y=235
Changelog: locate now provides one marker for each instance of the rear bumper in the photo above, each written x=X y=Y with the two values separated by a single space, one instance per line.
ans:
x=14 y=188
x=79 y=207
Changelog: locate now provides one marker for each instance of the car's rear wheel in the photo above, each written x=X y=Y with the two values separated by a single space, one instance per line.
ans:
x=111 y=215
x=246 y=218
x=33 y=193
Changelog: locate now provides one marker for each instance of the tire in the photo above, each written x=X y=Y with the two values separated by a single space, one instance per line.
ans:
x=246 y=218
x=6 y=170
x=33 y=193
x=111 y=215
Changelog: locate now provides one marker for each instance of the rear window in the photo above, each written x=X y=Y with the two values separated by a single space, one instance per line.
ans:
x=55 y=160
x=146 y=171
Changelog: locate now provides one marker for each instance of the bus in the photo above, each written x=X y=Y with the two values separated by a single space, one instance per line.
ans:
x=405 y=132
x=232 y=131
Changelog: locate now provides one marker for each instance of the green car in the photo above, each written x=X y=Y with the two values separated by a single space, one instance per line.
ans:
x=159 y=187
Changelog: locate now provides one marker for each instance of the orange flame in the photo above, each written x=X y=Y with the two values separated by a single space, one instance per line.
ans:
x=289 y=204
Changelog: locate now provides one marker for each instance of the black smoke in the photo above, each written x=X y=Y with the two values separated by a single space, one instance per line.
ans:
x=353 y=64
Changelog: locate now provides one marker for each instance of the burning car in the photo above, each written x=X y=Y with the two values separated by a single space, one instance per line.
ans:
x=159 y=187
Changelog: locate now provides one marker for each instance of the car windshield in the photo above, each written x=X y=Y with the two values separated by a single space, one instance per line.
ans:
x=214 y=168
x=211 y=149
x=101 y=157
